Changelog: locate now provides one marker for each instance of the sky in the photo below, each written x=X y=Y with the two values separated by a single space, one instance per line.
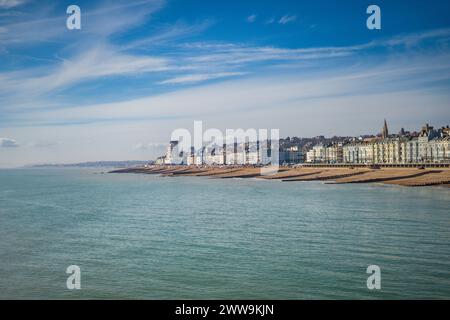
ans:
x=139 y=69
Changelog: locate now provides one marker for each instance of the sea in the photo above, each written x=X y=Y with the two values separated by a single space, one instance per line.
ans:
x=137 y=236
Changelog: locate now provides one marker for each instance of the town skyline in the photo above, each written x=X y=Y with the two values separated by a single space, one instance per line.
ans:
x=428 y=145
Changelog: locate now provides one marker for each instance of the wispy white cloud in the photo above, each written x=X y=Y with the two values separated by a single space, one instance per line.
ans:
x=99 y=61
x=251 y=18
x=192 y=63
x=89 y=59
x=412 y=39
x=43 y=144
x=200 y=77
x=209 y=60
x=270 y=20
x=261 y=94
x=7 y=4
x=175 y=32
x=287 y=19
x=149 y=145
x=40 y=25
x=241 y=54
x=8 y=143
x=230 y=53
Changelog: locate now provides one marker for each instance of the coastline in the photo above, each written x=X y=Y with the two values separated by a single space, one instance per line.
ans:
x=410 y=177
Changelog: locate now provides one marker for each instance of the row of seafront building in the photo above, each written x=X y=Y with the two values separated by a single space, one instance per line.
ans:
x=250 y=153
x=427 y=146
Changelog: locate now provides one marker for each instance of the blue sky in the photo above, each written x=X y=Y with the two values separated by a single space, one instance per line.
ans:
x=139 y=69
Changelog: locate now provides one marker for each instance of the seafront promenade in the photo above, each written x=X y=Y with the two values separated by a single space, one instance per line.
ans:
x=403 y=176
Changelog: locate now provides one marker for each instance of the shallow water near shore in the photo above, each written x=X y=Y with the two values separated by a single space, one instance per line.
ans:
x=150 y=237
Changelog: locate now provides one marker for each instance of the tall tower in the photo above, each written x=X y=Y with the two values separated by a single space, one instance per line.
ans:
x=224 y=153
x=385 y=132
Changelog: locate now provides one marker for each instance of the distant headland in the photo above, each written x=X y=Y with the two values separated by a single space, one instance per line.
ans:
x=94 y=164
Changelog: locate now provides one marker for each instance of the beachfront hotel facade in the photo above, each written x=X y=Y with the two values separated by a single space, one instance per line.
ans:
x=248 y=153
x=332 y=153
x=428 y=146
x=236 y=154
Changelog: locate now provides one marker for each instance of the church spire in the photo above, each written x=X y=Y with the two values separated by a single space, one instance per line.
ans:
x=385 y=132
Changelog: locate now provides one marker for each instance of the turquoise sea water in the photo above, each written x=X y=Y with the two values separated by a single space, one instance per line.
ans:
x=150 y=237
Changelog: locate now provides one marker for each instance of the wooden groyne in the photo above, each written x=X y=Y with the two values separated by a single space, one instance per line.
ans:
x=330 y=176
x=413 y=177
x=287 y=176
x=385 y=179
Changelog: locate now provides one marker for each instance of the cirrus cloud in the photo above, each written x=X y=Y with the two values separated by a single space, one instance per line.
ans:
x=251 y=18
x=7 y=4
x=287 y=19
x=8 y=143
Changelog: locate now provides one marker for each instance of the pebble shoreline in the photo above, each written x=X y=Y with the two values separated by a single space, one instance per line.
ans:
x=412 y=177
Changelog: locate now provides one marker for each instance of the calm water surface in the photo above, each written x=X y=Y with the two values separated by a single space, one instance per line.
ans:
x=142 y=236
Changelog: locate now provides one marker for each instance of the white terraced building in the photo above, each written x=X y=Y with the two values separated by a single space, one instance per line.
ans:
x=253 y=153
